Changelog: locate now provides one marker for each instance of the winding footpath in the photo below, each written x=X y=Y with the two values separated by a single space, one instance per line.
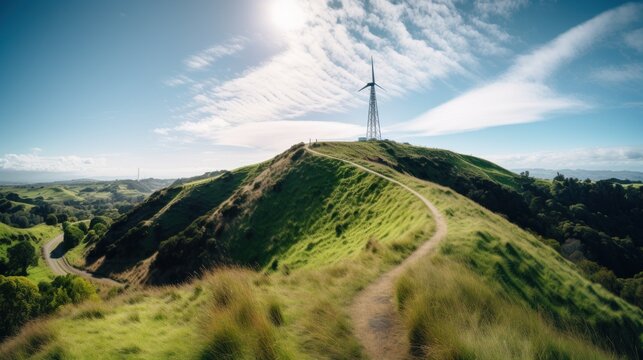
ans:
x=54 y=258
x=373 y=311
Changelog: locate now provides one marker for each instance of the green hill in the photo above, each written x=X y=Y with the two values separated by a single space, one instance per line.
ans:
x=36 y=235
x=27 y=205
x=314 y=232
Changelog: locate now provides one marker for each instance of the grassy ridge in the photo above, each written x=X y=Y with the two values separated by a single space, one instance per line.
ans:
x=516 y=268
x=37 y=235
x=137 y=235
x=441 y=166
x=324 y=211
x=492 y=291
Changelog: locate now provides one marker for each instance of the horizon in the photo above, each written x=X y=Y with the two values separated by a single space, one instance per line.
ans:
x=97 y=90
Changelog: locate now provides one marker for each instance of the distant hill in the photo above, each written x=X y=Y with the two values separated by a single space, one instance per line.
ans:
x=29 y=204
x=595 y=175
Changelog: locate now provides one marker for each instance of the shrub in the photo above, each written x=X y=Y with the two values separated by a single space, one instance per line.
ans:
x=21 y=256
x=19 y=302
x=73 y=235
x=63 y=290
x=83 y=227
x=51 y=219
x=100 y=229
x=104 y=220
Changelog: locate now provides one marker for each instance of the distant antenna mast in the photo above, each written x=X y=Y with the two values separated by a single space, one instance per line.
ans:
x=373 y=124
x=138 y=174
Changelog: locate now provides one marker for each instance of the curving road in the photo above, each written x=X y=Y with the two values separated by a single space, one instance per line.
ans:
x=53 y=253
x=373 y=311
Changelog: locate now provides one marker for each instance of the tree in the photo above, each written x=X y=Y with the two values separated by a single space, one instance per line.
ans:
x=73 y=235
x=51 y=219
x=19 y=302
x=21 y=256
x=83 y=227
x=64 y=290
x=100 y=220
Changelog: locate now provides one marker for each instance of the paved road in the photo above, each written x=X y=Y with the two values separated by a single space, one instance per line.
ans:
x=373 y=311
x=53 y=253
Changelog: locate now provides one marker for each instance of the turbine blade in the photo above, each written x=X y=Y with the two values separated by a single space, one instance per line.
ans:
x=372 y=70
x=365 y=86
x=380 y=87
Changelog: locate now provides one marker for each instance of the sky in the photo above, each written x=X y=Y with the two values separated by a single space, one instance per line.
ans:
x=100 y=89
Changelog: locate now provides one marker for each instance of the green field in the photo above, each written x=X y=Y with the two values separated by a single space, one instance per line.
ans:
x=27 y=205
x=321 y=231
x=37 y=235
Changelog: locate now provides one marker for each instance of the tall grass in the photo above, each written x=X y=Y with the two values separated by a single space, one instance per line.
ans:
x=453 y=313
x=519 y=268
x=239 y=323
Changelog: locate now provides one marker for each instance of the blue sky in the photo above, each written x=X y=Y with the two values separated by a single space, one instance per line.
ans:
x=92 y=89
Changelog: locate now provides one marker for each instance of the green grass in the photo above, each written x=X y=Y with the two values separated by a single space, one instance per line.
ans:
x=137 y=235
x=324 y=211
x=427 y=163
x=519 y=269
x=37 y=235
x=492 y=290
x=453 y=313
x=88 y=191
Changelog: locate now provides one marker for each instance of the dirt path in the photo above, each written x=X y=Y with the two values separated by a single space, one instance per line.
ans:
x=377 y=323
x=53 y=253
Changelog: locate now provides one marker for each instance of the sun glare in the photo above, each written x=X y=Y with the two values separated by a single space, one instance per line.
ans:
x=287 y=15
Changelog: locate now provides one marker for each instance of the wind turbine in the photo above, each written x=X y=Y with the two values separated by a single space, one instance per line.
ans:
x=373 y=124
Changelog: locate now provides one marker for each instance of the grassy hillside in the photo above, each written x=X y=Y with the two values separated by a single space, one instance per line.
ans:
x=37 y=235
x=292 y=212
x=496 y=266
x=596 y=224
x=27 y=205
x=321 y=231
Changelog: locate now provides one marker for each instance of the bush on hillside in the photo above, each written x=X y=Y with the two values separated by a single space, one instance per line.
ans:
x=104 y=220
x=83 y=227
x=73 y=235
x=51 y=219
x=19 y=302
x=21 y=256
x=64 y=290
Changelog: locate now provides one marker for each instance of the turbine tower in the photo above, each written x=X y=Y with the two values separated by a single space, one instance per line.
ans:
x=373 y=125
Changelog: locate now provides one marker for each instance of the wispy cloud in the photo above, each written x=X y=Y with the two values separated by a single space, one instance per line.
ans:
x=634 y=39
x=35 y=162
x=521 y=94
x=208 y=56
x=323 y=63
x=614 y=158
x=618 y=74
x=178 y=81
x=499 y=7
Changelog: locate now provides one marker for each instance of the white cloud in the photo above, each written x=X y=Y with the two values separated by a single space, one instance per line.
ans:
x=584 y=158
x=324 y=63
x=35 y=162
x=634 y=39
x=521 y=95
x=178 y=81
x=500 y=103
x=207 y=57
x=499 y=7
x=279 y=135
x=624 y=73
